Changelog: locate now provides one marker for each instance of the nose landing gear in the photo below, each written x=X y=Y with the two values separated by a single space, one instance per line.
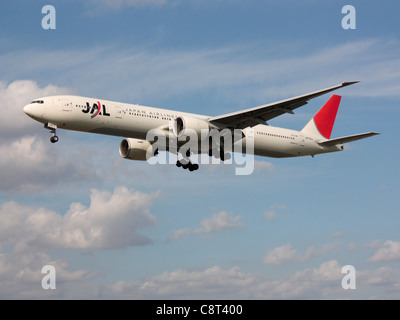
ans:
x=54 y=138
x=52 y=129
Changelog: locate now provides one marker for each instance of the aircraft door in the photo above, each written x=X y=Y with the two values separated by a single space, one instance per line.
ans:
x=66 y=105
x=118 y=112
x=301 y=141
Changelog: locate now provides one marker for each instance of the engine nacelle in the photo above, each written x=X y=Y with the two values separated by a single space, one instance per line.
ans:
x=184 y=123
x=135 y=149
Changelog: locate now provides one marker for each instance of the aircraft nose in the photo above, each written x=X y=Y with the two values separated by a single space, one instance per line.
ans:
x=35 y=111
x=28 y=109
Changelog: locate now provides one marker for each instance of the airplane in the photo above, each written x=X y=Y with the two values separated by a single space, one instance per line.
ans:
x=133 y=122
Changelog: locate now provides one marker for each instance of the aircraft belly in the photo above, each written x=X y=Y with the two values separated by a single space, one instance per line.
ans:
x=272 y=147
x=131 y=133
x=273 y=151
x=127 y=128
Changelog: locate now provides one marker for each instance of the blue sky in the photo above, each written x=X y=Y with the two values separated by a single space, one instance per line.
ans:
x=122 y=229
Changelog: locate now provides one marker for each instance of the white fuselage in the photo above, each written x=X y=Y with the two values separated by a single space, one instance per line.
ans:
x=135 y=121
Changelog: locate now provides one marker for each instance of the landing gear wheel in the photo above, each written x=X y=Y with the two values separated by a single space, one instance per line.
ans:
x=52 y=129
x=188 y=165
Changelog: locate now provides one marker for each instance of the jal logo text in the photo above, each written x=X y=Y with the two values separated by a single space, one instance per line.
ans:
x=95 y=110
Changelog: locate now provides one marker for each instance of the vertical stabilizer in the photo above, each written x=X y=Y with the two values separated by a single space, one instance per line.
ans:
x=321 y=124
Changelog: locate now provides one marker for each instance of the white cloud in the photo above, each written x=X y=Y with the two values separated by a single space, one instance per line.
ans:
x=113 y=220
x=29 y=165
x=321 y=282
x=21 y=276
x=286 y=254
x=313 y=251
x=388 y=251
x=280 y=255
x=219 y=221
x=271 y=214
x=212 y=282
x=177 y=234
x=383 y=276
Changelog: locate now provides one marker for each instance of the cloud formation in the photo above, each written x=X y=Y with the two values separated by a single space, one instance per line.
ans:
x=387 y=251
x=219 y=221
x=280 y=255
x=286 y=254
x=271 y=213
x=113 y=220
x=21 y=276
x=321 y=282
x=30 y=164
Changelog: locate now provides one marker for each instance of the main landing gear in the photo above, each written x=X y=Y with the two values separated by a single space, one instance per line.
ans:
x=185 y=163
x=52 y=129
x=188 y=165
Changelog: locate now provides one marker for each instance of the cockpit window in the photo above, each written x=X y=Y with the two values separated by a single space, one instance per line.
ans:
x=37 y=101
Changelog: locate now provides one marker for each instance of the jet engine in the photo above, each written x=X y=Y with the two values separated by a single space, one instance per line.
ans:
x=135 y=149
x=182 y=124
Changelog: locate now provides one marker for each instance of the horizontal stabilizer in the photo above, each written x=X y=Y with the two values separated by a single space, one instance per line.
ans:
x=334 y=142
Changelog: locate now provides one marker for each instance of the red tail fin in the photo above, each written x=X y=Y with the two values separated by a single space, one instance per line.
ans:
x=325 y=118
x=321 y=124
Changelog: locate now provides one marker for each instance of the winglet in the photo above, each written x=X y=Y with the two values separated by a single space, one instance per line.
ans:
x=349 y=83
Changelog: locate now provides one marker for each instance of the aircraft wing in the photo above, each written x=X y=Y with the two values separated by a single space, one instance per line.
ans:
x=259 y=115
